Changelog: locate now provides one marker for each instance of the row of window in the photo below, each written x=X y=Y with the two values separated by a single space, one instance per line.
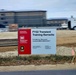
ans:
x=49 y=22
x=30 y=14
x=2 y=18
x=29 y=17
x=30 y=22
x=22 y=17
x=31 y=25
x=23 y=22
x=54 y=24
x=24 y=14
x=7 y=22
x=2 y=14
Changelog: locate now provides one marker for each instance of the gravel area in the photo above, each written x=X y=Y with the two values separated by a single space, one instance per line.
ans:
x=64 y=51
x=9 y=53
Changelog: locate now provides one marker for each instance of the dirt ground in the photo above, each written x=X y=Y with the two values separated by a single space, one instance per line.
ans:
x=65 y=38
x=9 y=48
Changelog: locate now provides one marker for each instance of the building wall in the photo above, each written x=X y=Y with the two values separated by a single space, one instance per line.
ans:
x=23 y=18
x=6 y=18
x=31 y=19
x=56 y=22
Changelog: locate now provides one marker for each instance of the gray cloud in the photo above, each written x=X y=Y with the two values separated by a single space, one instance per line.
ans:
x=53 y=7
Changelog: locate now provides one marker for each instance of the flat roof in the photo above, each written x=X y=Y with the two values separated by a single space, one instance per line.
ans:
x=57 y=19
x=14 y=11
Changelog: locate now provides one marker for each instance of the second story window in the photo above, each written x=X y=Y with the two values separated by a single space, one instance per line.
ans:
x=2 y=14
x=5 y=22
x=2 y=18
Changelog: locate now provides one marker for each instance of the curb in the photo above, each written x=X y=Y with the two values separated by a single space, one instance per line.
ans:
x=37 y=67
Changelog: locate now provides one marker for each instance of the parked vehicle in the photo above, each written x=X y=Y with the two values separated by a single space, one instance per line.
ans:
x=72 y=23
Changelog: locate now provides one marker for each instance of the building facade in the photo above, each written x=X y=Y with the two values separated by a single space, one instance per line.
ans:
x=23 y=18
x=57 y=22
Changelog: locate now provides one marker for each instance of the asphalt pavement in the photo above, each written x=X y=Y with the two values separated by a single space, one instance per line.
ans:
x=42 y=72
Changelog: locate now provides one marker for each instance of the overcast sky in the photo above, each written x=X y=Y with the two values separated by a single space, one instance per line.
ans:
x=54 y=8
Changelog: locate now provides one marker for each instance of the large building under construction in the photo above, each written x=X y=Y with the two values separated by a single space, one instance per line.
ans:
x=23 y=18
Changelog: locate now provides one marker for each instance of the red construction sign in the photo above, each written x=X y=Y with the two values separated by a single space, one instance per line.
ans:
x=24 y=41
